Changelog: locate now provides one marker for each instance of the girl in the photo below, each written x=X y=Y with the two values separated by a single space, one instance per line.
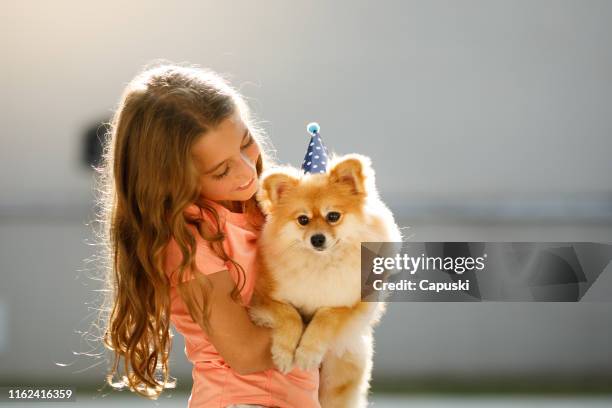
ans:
x=181 y=222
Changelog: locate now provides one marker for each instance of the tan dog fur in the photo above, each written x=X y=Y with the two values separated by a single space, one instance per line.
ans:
x=312 y=298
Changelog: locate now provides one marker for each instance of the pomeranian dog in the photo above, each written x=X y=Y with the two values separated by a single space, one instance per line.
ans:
x=309 y=285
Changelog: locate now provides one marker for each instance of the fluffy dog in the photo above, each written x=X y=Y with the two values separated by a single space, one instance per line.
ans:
x=309 y=284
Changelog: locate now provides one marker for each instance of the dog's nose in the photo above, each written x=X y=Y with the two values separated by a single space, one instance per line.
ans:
x=317 y=240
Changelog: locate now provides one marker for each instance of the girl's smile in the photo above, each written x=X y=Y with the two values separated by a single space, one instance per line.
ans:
x=247 y=185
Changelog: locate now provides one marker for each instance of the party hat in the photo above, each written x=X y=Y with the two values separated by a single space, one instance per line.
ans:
x=316 y=158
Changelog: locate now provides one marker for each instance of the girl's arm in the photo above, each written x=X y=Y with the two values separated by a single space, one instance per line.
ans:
x=242 y=344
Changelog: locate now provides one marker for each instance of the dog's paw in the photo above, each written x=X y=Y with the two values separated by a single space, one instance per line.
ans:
x=307 y=358
x=261 y=317
x=282 y=356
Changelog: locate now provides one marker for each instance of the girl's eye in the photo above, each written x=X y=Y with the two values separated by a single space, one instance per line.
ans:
x=303 y=220
x=333 y=216
x=220 y=176
x=250 y=142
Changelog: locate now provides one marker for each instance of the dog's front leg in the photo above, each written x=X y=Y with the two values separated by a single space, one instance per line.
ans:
x=325 y=325
x=287 y=327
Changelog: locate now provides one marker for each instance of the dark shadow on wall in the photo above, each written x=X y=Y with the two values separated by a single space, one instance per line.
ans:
x=93 y=142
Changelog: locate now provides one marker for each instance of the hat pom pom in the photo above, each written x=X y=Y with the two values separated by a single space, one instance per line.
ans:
x=313 y=128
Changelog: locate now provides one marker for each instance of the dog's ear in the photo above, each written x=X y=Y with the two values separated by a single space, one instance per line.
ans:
x=353 y=170
x=274 y=184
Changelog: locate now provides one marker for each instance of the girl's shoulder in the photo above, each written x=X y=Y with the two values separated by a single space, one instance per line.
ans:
x=207 y=261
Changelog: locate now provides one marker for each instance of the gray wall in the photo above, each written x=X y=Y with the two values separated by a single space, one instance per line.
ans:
x=485 y=120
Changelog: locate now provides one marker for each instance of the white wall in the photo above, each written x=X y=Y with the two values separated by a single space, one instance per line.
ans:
x=447 y=97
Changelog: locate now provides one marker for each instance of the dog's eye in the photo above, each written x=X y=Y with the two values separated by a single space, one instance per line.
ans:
x=303 y=219
x=333 y=216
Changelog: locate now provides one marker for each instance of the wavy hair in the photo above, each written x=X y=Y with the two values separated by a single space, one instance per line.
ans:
x=147 y=178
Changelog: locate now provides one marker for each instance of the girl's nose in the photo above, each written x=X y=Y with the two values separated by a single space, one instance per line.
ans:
x=247 y=167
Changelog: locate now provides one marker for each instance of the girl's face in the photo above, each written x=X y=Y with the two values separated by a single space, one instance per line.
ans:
x=226 y=157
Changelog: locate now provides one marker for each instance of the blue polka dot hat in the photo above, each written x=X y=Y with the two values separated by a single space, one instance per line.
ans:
x=316 y=158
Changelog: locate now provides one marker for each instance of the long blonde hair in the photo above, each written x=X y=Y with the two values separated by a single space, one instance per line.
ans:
x=145 y=182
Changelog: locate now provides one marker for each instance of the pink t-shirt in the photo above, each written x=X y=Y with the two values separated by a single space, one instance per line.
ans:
x=215 y=383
